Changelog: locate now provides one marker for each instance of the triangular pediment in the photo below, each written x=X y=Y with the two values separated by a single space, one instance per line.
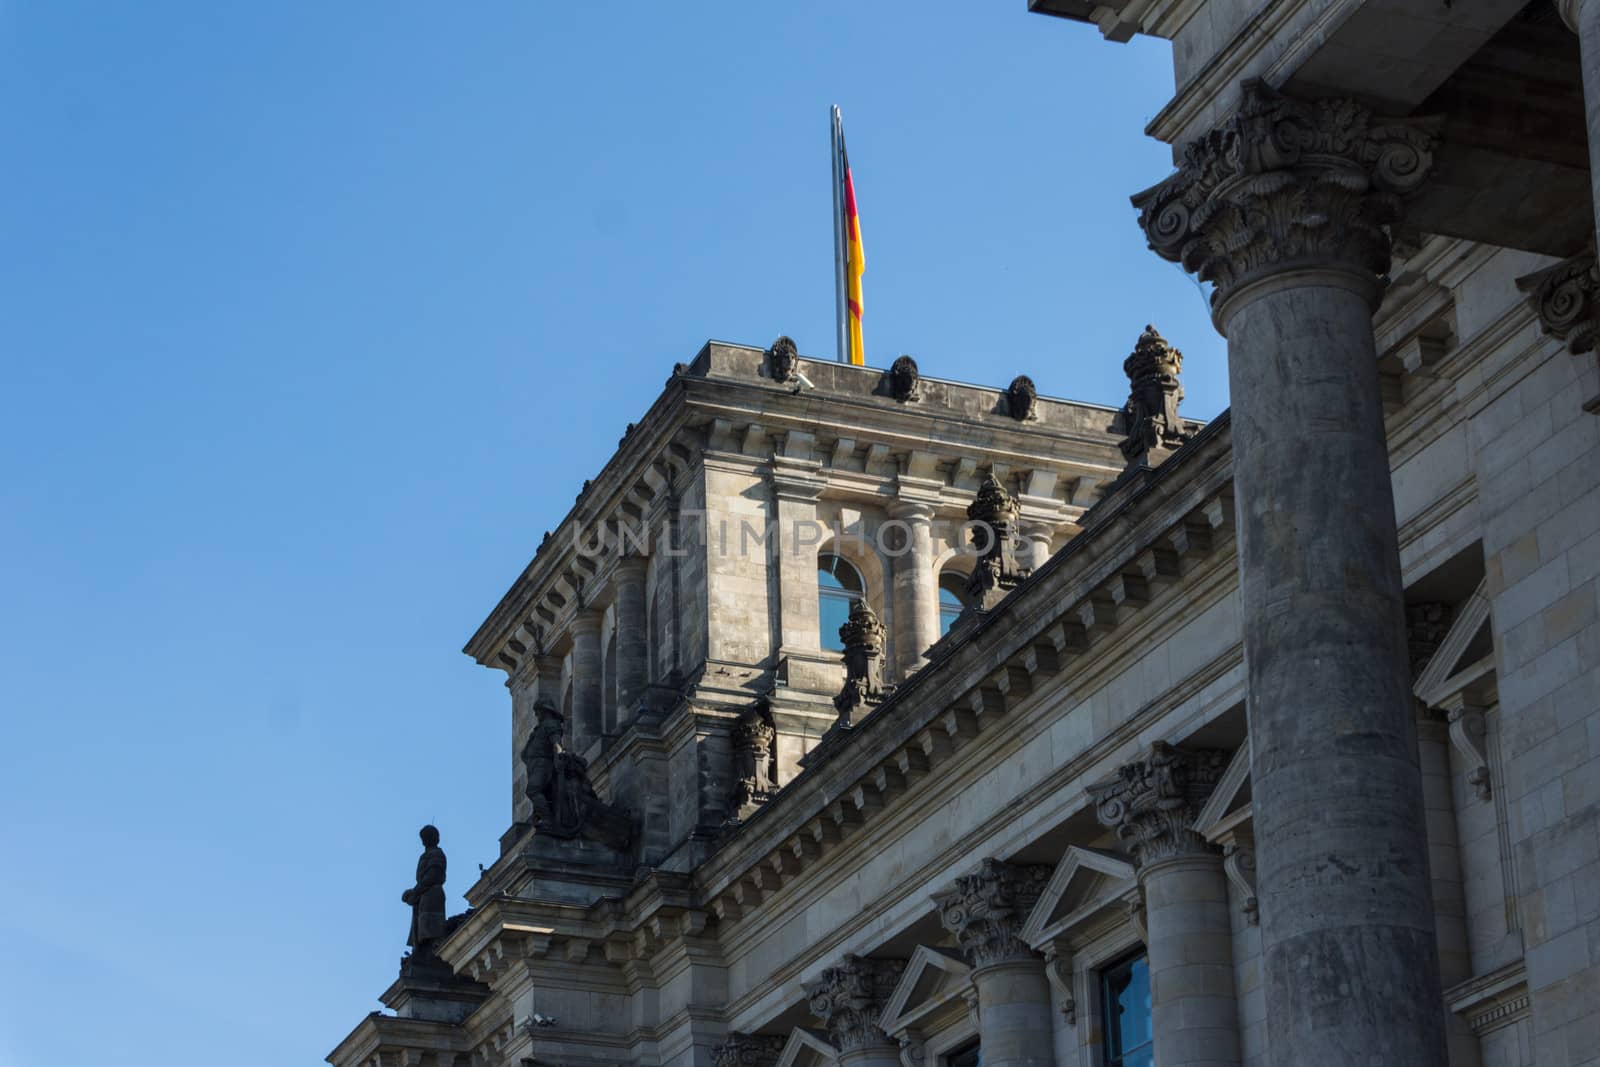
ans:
x=1085 y=883
x=1229 y=803
x=932 y=979
x=807 y=1048
x=1465 y=656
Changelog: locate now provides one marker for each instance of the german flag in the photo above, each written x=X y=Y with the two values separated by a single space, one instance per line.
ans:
x=855 y=261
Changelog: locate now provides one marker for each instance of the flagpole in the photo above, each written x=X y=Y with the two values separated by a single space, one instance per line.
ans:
x=841 y=312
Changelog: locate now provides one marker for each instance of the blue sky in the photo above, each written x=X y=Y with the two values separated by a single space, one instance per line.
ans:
x=315 y=316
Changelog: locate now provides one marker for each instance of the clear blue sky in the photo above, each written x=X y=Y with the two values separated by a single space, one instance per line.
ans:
x=316 y=315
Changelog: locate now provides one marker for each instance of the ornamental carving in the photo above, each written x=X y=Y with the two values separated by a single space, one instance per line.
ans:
x=1282 y=184
x=849 y=1000
x=783 y=361
x=1566 y=297
x=986 y=910
x=564 y=802
x=753 y=783
x=993 y=519
x=903 y=380
x=748 y=1050
x=862 y=637
x=1021 y=398
x=1151 y=415
x=1152 y=803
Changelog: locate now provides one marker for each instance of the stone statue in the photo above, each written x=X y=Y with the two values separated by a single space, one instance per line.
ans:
x=862 y=636
x=1154 y=430
x=427 y=896
x=783 y=361
x=752 y=761
x=1021 y=398
x=564 y=802
x=904 y=380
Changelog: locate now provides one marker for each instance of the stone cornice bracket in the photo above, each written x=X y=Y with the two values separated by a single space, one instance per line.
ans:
x=986 y=910
x=1152 y=803
x=748 y=1050
x=849 y=999
x=1286 y=185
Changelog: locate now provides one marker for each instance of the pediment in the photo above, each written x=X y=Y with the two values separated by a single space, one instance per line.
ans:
x=933 y=979
x=1086 y=882
x=807 y=1048
x=1465 y=656
x=1229 y=803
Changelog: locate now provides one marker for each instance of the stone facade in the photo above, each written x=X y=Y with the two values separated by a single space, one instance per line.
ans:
x=1368 y=597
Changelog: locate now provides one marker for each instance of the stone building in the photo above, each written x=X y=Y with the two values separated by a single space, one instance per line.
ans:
x=869 y=719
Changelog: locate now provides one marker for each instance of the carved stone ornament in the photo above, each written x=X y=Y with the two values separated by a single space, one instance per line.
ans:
x=1283 y=184
x=748 y=1050
x=986 y=910
x=997 y=570
x=1469 y=732
x=753 y=784
x=862 y=637
x=564 y=802
x=1427 y=624
x=904 y=381
x=1151 y=415
x=913 y=1051
x=1566 y=297
x=1239 y=864
x=849 y=1000
x=783 y=361
x=1058 y=970
x=1021 y=398
x=1152 y=803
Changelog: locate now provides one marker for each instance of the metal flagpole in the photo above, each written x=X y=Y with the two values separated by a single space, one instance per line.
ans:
x=841 y=311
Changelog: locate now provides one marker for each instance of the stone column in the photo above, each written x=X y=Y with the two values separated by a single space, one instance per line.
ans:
x=1037 y=535
x=849 y=1000
x=633 y=637
x=796 y=486
x=985 y=911
x=586 y=671
x=916 y=588
x=1583 y=18
x=1152 y=804
x=1284 y=208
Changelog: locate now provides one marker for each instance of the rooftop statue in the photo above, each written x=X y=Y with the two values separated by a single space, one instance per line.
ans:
x=427 y=896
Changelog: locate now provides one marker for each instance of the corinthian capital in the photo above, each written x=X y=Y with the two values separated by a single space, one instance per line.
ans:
x=986 y=910
x=1152 y=803
x=747 y=1050
x=1286 y=184
x=849 y=1000
x=1566 y=297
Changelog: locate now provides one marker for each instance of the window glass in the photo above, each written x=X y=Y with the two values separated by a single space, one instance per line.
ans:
x=1125 y=996
x=952 y=599
x=965 y=1056
x=838 y=586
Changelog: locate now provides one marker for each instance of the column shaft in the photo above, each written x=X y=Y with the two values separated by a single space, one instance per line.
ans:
x=916 y=591
x=1194 y=1010
x=586 y=671
x=1342 y=868
x=633 y=638
x=1016 y=1026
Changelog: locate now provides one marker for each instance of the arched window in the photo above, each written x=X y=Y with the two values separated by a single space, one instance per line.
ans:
x=838 y=586
x=952 y=599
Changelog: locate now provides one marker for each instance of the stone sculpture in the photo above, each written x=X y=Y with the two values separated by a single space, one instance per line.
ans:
x=427 y=896
x=564 y=802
